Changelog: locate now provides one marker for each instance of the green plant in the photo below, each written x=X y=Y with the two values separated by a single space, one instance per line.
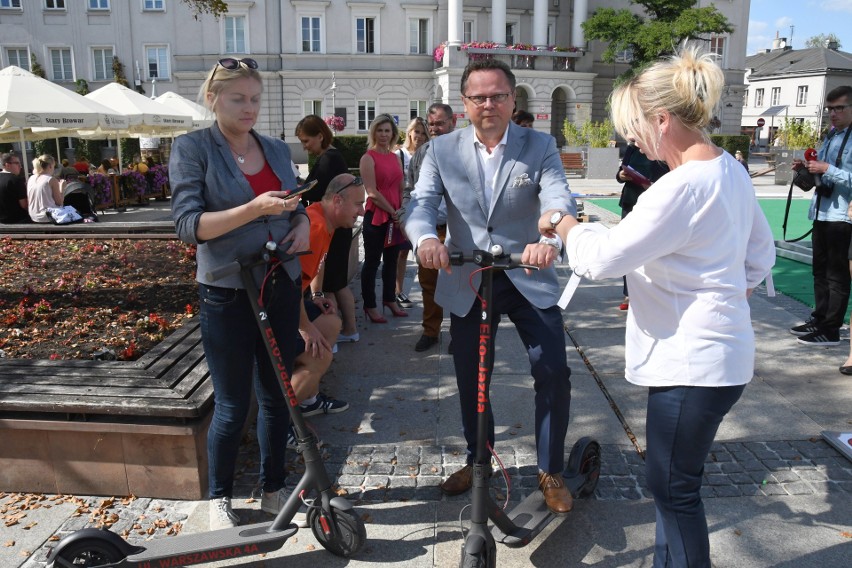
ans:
x=732 y=142
x=118 y=72
x=573 y=136
x=592 y=134
x=35 y=67
x=352 y=146
x=129 y=148
x=798 y=135
x=82 y=87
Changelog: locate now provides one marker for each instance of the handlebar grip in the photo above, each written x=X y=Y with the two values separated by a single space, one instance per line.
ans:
x=222 y=271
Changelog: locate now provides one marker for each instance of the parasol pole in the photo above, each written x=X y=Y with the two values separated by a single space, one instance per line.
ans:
x=24 y=154
x=58 y=157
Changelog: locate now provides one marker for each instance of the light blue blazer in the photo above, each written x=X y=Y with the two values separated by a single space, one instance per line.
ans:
x=530 y=181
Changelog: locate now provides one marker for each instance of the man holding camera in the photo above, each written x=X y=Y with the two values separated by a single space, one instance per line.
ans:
x=832 y=229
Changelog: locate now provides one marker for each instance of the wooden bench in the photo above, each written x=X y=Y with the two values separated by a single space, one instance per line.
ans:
x=125 y=229
x=572 y=163
x=109 y=427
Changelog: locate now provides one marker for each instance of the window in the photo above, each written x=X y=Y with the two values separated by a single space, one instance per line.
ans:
x=19 y=57
x=625 y=56
x=54 y=4
x=235 y=34
x=60 y=64
x=157 y=57
x=776 y=96
x=417 y=108
x=802 y=95
x=313 y=107
x=98 y=4
x=153 y=5
x=745 y=97
x=758 y=97
x=10 y=3
x=311 y=34
x=418 y=35
x=103 y=63
x=717 y=47
x=467 y=33
x=365 y=35
x=510 y=33
x=366 y=114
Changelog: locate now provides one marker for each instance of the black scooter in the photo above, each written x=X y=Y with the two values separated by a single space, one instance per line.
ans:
x=519 y=526
x=332 y=519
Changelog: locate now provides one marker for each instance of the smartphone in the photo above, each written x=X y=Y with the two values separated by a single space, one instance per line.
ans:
x=300 y=189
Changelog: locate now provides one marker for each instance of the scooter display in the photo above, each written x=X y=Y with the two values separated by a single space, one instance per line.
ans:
x=522 y=524
x=331 y=518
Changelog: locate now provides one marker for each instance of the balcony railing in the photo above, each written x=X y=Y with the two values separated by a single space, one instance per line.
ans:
x=528 y=59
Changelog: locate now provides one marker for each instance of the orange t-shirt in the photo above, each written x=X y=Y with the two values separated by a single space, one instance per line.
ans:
x=319 y=241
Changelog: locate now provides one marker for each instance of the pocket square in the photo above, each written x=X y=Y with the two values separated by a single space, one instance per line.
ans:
x=522 y=180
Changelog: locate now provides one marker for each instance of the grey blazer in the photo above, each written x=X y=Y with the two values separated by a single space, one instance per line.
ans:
x=530 y=181
x=205 y=177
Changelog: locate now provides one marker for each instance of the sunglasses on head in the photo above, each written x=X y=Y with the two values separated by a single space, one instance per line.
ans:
x=355 y=181
x=231 y=63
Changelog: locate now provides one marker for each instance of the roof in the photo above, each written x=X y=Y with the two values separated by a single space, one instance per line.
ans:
x=798 y=62
x=774 y=110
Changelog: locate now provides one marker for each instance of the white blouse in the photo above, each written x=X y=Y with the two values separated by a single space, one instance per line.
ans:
x=693 y=244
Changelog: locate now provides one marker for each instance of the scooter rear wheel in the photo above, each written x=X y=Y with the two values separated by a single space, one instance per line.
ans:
x=347 y=536
x=89 y=553
x=590 y=467
x=479 y=560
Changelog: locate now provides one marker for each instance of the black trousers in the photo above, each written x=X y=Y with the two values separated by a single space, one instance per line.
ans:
x=830 y=241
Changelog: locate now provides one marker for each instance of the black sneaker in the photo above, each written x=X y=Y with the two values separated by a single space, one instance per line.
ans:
x=823 y=338
x=324 y=405
x=809 y=326
x=402 y=300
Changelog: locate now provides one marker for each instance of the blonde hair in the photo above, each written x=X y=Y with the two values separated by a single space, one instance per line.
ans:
x=378 y=121
x=42 y=163
x=408 y=143
x=218 y=78
x=687 y=85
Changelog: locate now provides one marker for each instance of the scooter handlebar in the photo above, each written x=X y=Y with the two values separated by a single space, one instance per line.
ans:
x=484 y=258
x=222 y=271
x=269 y=251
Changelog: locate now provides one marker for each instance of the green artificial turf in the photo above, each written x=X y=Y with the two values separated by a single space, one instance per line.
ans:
x=791 y=278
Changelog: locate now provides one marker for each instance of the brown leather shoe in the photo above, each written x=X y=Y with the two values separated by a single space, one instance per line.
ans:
x=556 y=495
x=459 y=482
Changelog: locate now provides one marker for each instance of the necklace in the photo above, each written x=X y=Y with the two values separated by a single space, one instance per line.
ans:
x=241 y=157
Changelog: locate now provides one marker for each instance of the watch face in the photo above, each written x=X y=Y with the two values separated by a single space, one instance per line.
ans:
x=555 y=218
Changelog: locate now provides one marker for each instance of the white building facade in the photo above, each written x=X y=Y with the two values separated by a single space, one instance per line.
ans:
x=353 y=58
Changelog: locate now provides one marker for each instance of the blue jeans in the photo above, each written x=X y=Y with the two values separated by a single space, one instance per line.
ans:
x=543 y=337
x=681 y=425
x=237 y=360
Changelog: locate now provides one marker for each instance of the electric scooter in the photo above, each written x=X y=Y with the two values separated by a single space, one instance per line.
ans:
x=519 y=526
x=332 y=519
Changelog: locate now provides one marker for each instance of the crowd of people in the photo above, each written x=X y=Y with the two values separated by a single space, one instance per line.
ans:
x=41 y=197
x=691 y=247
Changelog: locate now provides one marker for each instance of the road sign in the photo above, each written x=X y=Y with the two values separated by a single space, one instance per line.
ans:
x=760 y=122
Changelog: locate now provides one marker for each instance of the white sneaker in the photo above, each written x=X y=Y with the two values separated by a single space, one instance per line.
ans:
x=222 y=516
x=272 y=503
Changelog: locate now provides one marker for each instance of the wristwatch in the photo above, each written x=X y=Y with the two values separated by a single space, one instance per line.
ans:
x=318 y=295
x=549 y=241
x=556 y=217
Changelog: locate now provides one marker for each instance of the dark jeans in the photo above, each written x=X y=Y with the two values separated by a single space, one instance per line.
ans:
x=375 y=253
x=680 y=426
x=544 y=339
x=830 y=241
x=237 y=360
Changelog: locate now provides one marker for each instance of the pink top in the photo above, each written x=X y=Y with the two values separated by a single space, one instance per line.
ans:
x=388 y=182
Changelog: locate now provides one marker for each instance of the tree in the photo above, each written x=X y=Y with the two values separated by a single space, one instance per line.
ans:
x=664 y=25
x=118 y=72
x=821 y=40
x=35 y=67
x=216 y=8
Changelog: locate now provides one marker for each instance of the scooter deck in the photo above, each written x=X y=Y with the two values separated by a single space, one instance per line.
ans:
x=530 y=517
x=216 y=545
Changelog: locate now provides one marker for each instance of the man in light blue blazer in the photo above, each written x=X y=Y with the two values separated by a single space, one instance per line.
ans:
x=498 y=181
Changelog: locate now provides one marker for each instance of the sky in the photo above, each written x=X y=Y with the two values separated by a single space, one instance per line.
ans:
x=808 y=18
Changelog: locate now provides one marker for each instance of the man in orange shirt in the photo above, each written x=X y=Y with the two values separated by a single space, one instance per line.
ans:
x=340 y=207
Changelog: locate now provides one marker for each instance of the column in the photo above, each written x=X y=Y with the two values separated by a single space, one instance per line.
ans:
x=455 y=23
x=498 y=22
x=581 y=12
x=540 y=23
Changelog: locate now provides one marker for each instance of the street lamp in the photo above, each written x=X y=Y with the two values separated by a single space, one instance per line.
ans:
x=333 y=88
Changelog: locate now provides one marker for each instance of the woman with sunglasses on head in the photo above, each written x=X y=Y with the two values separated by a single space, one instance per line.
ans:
x=229 y=196
x=44 y=191
x=316 y=138
x=381 y=171
x=416 y=134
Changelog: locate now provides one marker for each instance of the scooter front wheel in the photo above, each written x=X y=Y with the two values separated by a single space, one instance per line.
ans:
x=89 y=553
x=345 y=538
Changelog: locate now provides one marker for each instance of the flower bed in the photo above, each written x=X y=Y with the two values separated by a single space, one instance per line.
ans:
x=70 y=299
